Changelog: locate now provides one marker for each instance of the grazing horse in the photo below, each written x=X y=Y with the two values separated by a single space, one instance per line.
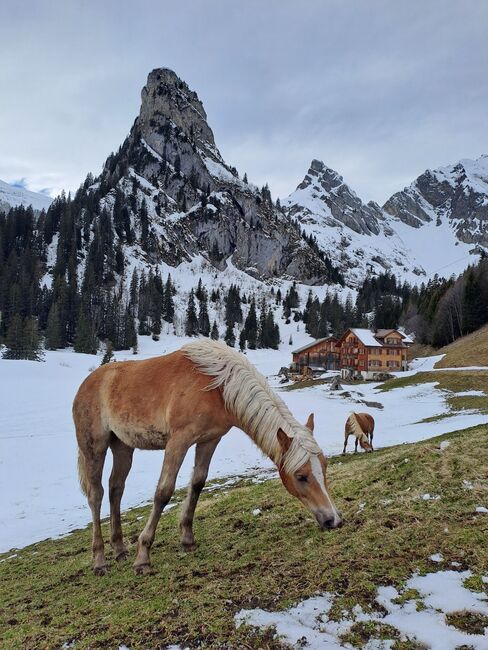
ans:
x=190 y=397
x=360 y=425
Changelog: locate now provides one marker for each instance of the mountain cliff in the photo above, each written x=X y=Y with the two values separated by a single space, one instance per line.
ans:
x=357 y=236
x=170 y=182
x=437 y=224
x=456 y=194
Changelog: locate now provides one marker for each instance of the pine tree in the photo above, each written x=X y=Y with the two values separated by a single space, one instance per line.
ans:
x=251 y=326
x=32 y=340
x=229 y=337
x=203 y=319
x=473 y=308
x=53 y=334
x=191 y=322
x=14 y=340
x=85 y=340
x=168 y=306
x=214 y=334
x=109 y=354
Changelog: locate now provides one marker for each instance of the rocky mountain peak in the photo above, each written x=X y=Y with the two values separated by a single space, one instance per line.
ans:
x=167 y=101
x=322 y=175
x=456 y=194
x=323 y=192
x=192 y=202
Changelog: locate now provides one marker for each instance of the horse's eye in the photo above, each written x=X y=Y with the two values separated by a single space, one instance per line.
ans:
x=302 y=478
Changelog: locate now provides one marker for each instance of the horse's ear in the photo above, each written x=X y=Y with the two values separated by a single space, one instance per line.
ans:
x=284 y=440
x=310 y=422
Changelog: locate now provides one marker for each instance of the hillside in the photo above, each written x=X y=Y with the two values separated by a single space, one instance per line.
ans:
x=398 y=505
x=470 y=350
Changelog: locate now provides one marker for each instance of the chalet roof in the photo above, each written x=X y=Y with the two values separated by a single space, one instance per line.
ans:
x=382 y=333
x=314 y=343
x=366 y=337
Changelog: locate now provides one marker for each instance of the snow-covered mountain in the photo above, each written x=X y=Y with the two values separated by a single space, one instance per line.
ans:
x=11 y=197
x=172 y=197
x=358 y=237
x=437 y=224
x=443 y=215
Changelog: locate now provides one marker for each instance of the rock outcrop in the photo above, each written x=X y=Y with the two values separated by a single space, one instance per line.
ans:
x=197 y=204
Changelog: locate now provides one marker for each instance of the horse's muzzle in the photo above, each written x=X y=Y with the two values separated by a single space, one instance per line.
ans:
x=328 y=522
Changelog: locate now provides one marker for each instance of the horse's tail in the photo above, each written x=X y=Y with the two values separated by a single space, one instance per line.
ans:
x=82 y=473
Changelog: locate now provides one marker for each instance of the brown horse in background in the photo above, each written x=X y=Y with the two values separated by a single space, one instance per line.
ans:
x=190 y=397
x=360 y=425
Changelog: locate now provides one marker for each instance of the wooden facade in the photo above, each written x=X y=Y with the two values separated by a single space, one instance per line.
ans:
x=318 y=355
x=365 y=351
x=358 y=350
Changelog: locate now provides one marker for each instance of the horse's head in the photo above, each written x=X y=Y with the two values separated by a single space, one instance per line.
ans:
x=309 y=484
x=364 y=442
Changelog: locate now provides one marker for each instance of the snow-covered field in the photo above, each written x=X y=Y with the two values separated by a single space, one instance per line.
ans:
x=39 y=489
x=440 y=593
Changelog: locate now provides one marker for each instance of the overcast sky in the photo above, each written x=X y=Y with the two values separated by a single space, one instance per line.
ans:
x=379 y=90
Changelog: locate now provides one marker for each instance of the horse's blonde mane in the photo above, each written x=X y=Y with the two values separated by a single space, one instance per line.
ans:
x=249 y=398
x=356 y=427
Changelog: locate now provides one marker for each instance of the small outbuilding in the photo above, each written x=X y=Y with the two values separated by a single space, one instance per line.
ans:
x=319 y=356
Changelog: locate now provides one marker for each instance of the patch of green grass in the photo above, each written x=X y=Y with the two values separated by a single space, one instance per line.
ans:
x=475 y=583
x=49 y=596
x=361 y=633
x=469 y=622
x=455 y=381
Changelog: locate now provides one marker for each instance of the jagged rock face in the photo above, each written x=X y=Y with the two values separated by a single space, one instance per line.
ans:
x=356 y=236
x=345 y=207
x=196 y=203
x=457 y=194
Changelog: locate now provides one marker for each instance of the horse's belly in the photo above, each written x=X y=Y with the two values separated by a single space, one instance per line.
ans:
x=141 y=436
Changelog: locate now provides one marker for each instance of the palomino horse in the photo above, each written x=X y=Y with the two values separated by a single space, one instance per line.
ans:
x=360 y=425
x=191 y=396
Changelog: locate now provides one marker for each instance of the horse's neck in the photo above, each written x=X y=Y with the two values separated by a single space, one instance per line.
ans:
x=270 y=448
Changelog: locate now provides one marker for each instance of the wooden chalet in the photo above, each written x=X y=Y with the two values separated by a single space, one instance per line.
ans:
x=363 y=351
x=320 y=355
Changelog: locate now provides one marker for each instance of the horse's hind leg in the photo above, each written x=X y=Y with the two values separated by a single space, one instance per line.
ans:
x=371 y=440
x=203 y=455
x=346 y=438
x=93 y=469
x=122 y=463
x=173 y=457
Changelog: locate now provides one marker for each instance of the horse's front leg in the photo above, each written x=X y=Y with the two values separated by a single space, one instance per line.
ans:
x=174 y=455
x=121 y=466
x=203 y=455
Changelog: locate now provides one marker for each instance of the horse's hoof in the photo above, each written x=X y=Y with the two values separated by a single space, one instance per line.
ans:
x=100 y=570
x=188 y=548
x=142 y=569
x=122 y=556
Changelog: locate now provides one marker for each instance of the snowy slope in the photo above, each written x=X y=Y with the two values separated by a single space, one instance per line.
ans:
x=38 y=475
x=356 y=236
x=438 y=224
x=443 y=215
x=15 y=196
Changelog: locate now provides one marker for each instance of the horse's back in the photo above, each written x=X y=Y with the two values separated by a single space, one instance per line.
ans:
x=142 y=401
x=366 y=422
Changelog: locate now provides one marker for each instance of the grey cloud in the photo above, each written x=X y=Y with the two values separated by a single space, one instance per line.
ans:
x=379 y=90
